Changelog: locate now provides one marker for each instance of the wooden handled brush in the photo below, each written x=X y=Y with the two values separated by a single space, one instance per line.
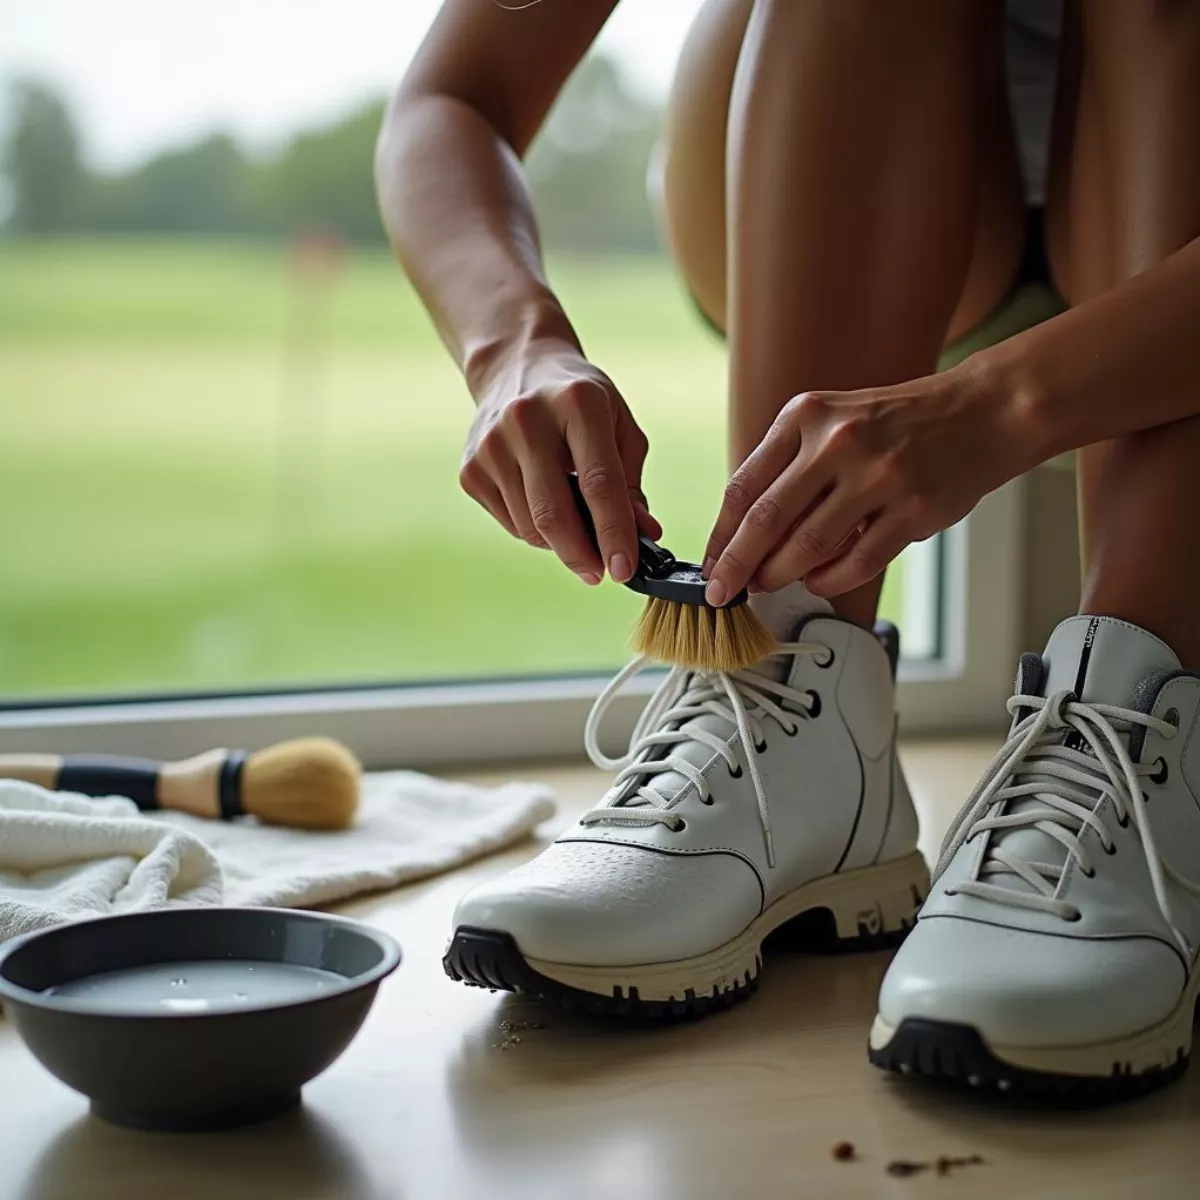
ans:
x=678 y=625
x=309 y=783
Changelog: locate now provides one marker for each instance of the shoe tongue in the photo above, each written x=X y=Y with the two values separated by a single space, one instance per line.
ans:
x=783 y=611
x=1102 y=660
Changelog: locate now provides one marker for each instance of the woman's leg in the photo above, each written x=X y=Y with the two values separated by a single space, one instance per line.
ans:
x=862 y=203
x=1125 y=194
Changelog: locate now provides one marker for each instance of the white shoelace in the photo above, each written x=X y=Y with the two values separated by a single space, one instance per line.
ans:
x=743 y=698
x=1068 y=785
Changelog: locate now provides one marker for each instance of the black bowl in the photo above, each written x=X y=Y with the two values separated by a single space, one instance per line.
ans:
x=193 y=1070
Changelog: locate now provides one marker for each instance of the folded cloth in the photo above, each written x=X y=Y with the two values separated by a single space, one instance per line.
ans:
x=64 y=857
x=408 y=827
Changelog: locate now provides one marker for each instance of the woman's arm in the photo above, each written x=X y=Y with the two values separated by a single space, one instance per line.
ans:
x=844 y=481
x=457 y=211
x=1126 y=361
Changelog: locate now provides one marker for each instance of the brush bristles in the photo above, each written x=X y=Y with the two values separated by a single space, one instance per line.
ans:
x=702 y=638
x=309 y=783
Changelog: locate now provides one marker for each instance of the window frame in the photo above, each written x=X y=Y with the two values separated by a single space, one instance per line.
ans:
x=454 y=725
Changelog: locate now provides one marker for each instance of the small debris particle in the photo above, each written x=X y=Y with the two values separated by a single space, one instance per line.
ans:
x=507 y=1026
x=947 y=1162
x=943 y=1164
x=903 y=1168
x=843 y=1151
x=512 y=1031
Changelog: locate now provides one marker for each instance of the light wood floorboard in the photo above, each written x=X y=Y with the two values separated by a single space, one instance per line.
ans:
x=745 y=1104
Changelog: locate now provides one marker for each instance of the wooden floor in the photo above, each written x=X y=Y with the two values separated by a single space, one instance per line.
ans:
x=427 y=1103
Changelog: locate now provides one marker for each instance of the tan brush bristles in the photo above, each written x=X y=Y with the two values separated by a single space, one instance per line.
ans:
x=695 y=636
x=309 y=783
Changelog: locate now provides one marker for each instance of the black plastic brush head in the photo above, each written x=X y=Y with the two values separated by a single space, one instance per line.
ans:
x=658 y=573
x=661 y=575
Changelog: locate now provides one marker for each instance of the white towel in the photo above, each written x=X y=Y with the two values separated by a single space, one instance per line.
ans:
x=65 y=857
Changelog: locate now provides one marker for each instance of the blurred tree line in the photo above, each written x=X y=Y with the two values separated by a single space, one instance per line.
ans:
x=588 y=172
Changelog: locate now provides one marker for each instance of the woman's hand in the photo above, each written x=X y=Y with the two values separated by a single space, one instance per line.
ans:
x=843 y=481
x=540 y=416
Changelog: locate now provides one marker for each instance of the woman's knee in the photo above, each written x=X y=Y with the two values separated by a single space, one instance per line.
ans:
x=689 y=178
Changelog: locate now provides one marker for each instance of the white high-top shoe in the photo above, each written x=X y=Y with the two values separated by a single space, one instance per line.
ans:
x=1056 y=952
x=746 y=800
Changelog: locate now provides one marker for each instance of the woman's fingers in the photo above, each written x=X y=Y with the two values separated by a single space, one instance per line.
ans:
x=554 y=516
x=602 y=481
x=633 y=447
x=764 y=527
x=647 y=523
x=884 y=538
x=499 y=464
x=485 y=492
x=818 y=537
x=745 y=488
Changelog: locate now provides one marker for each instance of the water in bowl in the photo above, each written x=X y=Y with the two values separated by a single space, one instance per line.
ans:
x=197 y=987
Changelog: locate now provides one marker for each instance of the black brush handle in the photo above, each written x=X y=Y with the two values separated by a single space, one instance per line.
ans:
x=111 y=775
x=138 y=779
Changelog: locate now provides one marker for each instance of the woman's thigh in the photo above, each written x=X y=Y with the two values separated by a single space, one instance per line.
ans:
x=1124 y=186
x=694 y=169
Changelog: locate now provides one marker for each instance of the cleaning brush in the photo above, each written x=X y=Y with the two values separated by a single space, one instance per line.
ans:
x=678 y=626
x=309 y=783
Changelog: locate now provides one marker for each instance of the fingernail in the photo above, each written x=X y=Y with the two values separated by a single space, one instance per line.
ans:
x=619 y=568
x=589 y=577
x=709 y=563
x=754 y=589
x=715 y=593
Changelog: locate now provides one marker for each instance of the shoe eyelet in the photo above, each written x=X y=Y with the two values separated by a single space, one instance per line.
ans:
x=1088 y=874
x=814 y=710
x=1171 y=716
x=1161 y=771
x=758 y=749
x=824 y=666
x=1111 y=850
x=795 y=729
x=736 y=774
x=1077 y=917
x=1123 y=821
x=707 y=801
x=680 y=826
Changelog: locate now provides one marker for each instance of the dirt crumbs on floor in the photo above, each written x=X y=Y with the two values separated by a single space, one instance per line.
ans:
x=512 y=1031
x=943 y=1164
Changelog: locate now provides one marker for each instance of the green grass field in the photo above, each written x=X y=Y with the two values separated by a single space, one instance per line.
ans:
x=167 y=526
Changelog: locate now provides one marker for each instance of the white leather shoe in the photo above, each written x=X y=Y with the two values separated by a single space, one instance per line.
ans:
x=1056 y=952
x=745 y=801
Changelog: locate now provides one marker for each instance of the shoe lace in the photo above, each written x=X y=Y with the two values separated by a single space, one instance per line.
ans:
x=746 y=699
x=1061 y=789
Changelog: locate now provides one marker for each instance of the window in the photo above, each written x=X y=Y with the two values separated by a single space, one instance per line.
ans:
x=232 y=437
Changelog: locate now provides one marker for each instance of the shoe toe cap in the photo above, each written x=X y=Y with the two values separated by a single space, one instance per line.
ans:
x=606 y=904
x=1021 y=988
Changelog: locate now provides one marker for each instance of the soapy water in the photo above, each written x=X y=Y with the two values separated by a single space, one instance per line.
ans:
x=197 y=987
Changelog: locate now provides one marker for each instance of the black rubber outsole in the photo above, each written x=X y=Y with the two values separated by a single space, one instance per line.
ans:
x=490 y=959
x=957 y=1054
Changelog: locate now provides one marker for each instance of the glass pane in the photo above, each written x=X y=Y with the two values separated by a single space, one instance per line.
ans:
x=230 y=462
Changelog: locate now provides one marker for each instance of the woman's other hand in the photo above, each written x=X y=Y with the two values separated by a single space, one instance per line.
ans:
x=843 y=481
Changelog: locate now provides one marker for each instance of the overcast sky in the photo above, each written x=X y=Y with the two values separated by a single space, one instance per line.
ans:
x=142 y=74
